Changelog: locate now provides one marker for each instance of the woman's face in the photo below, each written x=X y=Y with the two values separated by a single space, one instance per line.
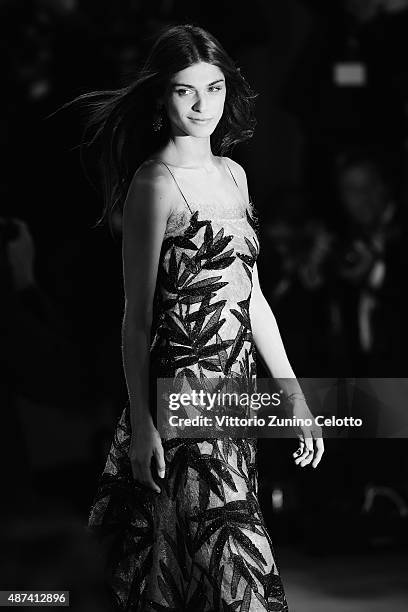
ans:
x=195 y=100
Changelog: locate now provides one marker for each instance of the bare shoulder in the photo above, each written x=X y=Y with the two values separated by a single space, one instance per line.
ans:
x=238 y=171
x=239 y=175
x=151 y=189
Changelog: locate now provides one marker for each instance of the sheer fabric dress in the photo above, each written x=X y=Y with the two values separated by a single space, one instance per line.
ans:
x=201 y=544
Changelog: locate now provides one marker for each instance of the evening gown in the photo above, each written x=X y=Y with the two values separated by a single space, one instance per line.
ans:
x=201 y=544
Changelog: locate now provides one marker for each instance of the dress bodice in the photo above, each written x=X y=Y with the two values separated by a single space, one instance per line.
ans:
x=203 y=291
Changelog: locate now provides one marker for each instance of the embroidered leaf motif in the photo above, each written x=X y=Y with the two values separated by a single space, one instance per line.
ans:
x=246 y=602
x=185 y=243
x=235 y=350
x=170 y=587
x=195 y=226
x=211 y=365
x=212 y=349
x=200 y=316
x=241 y=316
x=194 y=299
x=175 y=329
x=218 y=549
x=219 y=246
x=193 y=380
x=203 y=287
x=201 y=337
x=208 y=532
x=245 y=258
x=212 y=327
x=226 y=448
x=241 y=571
x=247 y=545
x=218 y=235
x=188 y=456
x=253 y=250
x=173 y=268
x=186 y=361
x=208 y=235
x=165 y=590
x=219 y=467
x=204 y=495
x=220 y=261
x=205 y=309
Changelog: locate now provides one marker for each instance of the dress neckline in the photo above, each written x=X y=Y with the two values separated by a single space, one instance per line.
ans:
x=186 y=226
x=202 y=214
x=183 y=167
x=223 y=162
x=213 y=218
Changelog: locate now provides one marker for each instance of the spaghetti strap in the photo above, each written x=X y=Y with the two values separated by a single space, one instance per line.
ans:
x=164 y=163
x=250 y=201
x=225 y=162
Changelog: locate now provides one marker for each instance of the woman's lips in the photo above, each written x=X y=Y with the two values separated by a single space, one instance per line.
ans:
x=199 y=120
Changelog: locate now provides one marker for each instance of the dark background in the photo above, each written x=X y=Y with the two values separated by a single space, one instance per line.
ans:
x=341 y=530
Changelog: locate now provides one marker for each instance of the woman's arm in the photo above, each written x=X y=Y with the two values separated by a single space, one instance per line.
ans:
x=145 y=215
x=270 y=348
x=268 y=340
x=264 y=327
x=269 y=345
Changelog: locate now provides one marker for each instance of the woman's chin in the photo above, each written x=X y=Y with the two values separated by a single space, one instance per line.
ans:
x=202 y=131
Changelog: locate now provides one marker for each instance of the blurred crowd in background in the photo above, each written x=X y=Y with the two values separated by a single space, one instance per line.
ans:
x=327 y=173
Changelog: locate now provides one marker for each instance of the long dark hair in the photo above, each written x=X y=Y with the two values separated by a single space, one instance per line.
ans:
x=120 y=120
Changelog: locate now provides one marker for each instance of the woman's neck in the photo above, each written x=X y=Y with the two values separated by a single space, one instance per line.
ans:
x=189 y=152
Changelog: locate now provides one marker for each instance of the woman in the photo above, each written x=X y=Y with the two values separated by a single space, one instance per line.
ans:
x=193 y=309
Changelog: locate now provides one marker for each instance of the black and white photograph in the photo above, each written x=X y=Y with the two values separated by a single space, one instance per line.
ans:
x=204 y=305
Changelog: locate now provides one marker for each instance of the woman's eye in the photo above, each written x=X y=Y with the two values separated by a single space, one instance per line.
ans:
x=182 y=92
x=215 y=88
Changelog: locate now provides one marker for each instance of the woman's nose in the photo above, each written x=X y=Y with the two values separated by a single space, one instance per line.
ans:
x=200 y=103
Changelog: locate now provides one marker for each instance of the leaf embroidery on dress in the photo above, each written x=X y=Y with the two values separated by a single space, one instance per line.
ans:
x=202 y=544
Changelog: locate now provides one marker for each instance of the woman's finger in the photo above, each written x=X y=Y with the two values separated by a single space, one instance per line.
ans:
x=161 y=464
x=319 y=451
x=307 y=459
x=299 y=451
x=303 y=455
x=308 y=456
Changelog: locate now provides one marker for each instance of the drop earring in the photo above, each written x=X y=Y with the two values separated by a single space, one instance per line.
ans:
x=157 y=123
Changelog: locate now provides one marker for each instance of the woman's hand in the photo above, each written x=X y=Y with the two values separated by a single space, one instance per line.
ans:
x=145 y=443
x=311 y=446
